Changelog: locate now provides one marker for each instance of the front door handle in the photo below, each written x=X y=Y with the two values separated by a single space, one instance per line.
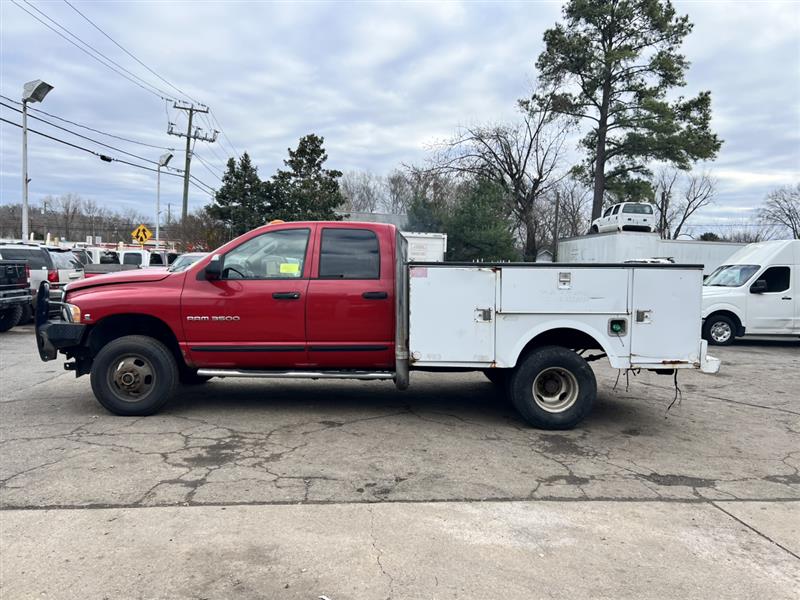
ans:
x=375 y=295
x=286 y=295
x=786 y=298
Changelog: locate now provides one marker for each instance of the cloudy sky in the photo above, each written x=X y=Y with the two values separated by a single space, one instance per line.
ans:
x=380 y=81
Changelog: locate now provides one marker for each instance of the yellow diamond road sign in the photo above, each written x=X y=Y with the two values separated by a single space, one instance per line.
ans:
x=141 y=234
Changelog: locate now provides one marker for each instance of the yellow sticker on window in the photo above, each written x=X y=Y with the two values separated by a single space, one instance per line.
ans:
x=291 y=268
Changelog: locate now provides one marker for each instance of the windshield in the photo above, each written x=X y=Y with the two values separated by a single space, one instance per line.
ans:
x=65 y=260
x=184 y=261
x=35 y=257
x=639 y=209
x=731 y=275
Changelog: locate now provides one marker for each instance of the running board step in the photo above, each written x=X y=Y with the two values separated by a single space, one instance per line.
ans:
x=296 y=374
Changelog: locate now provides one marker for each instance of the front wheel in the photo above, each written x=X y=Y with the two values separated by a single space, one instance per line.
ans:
x=134 y=375
x=719 y=330
x=553 y=388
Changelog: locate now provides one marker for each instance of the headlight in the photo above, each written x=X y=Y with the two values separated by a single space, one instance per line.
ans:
x=71 y=313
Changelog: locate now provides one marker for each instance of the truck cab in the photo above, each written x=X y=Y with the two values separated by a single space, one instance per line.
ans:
x=756 y=292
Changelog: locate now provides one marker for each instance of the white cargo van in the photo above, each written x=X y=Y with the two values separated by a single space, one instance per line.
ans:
x=755 y=292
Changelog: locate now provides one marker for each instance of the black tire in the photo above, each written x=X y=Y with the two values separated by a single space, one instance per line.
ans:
x=27 y=314
x=9 y=317
x=719 y=330
x=594 y=230
x=134 y=375
x=564 y=374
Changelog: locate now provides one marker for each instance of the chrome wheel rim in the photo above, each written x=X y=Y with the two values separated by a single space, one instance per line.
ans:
x=721 y=332
x=555 y=390
x=132 y=377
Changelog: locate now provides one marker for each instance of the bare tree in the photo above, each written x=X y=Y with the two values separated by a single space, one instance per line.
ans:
x=677 y=198
x=93 y=214
x=68 y=208
x=698 y=193
x=664 y=183
x=574 y=207
x=363 y=191
x=523 y=158
x=748 y=232
x=783 y=209
x=399 y=192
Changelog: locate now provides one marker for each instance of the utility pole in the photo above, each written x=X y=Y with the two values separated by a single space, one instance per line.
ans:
x=555 y=229
x=191 y=134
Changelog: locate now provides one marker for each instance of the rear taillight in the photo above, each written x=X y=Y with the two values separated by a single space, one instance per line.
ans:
x=27 y=272
x=52 y=276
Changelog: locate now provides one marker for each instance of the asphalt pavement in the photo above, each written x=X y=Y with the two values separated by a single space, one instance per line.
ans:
x=351 y=490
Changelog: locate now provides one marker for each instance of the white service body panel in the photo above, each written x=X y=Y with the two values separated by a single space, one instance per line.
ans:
x=483 y=316
x=452 y=300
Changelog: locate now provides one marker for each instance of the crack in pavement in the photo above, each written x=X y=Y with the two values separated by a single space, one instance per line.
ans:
x=753 y=529
x=459 y=500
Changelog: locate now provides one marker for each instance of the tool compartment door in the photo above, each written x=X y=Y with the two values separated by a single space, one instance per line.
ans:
x=451 y=315
x=666 y=315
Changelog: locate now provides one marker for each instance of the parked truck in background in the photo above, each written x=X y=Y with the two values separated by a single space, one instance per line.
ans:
x=15 y=293
x=755 y=292
x=339 y=300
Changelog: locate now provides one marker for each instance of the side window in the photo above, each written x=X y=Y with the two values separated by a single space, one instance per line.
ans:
x=273 y=255
x=155 y=259
x=777 y=279
x=608 y=211
x=616 y=209
x=131 y=258
x=349 y=254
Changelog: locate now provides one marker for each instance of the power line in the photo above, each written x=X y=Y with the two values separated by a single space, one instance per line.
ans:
x=169 y=171
x=118 y=45
x=94 y=141
x=213 y=151
x=132 y=78
x=111 y=135
x=236 y=153
x=206 y=165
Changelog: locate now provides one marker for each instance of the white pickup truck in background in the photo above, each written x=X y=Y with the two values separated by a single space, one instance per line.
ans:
x=756 y=292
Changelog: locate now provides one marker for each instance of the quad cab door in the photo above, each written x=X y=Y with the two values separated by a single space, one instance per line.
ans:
x=254 y=315
x=350 y=310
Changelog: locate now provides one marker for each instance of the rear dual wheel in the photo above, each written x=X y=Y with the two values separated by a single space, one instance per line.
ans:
x=552 y=388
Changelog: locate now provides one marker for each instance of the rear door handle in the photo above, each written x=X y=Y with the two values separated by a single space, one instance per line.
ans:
x=286 y=295
x=375 y=295
x=786 y=298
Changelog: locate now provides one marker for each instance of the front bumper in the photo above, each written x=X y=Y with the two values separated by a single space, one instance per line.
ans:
x=15 y=297
x=53 y=335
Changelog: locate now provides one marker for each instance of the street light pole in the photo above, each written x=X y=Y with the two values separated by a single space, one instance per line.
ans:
x=33 y=91
x=24 y=170
x=162 y=162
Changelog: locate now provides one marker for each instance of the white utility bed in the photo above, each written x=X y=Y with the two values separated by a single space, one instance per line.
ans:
x=476 y=315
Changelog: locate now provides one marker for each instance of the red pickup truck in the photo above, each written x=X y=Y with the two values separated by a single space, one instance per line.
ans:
x=335 y=300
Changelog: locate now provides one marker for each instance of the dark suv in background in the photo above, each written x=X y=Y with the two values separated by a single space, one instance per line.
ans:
x=46 y=263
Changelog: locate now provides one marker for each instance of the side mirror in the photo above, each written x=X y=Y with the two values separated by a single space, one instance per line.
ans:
x=759 y=287
x=213 y=269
